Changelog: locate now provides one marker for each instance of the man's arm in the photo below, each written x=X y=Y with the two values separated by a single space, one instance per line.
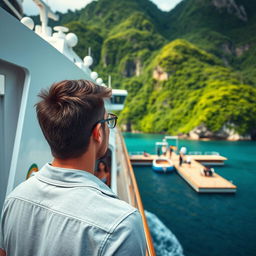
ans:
x=128 y=238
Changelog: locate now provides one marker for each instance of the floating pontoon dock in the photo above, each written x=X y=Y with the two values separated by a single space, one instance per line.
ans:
x=209 y=159
x=193 y=173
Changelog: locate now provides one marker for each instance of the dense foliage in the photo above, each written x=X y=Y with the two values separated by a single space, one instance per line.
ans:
x=199 y=90
x=206 y=50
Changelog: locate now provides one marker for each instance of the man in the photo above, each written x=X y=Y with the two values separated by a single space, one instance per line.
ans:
x=64 y=209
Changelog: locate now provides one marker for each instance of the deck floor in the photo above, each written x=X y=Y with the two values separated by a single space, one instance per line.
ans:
x=192 y=173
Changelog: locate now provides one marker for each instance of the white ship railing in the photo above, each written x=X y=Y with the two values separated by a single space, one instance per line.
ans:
x=213 y=153
x=194 y=153
x=137 y=153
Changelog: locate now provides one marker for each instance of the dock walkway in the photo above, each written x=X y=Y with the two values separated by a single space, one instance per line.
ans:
x=192 y=173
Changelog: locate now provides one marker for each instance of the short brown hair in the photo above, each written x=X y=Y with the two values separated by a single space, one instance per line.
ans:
x=67 y=113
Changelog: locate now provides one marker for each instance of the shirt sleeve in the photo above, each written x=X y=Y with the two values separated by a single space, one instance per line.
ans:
x=128 y=238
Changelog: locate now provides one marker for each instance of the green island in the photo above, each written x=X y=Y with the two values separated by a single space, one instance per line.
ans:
x=189 y=72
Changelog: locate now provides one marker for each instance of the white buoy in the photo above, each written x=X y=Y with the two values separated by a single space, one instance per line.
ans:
x=99 y=81
x=72 y=39
x=88 y=60
x=103 y=85
x=28 y=22
x=94 y=75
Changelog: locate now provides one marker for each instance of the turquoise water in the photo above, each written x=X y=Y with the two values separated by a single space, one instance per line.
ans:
x=204 y=224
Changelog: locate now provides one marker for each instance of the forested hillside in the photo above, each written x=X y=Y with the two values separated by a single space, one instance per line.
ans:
x=189 y=71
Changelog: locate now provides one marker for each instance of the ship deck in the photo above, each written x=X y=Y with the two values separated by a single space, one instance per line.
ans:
x=127 y=188
x=192 y=173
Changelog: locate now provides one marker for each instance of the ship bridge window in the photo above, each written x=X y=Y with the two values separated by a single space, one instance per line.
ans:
x=118 y=99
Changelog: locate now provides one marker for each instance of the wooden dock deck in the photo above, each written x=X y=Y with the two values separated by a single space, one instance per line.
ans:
x=192 y=173
x=209 y=159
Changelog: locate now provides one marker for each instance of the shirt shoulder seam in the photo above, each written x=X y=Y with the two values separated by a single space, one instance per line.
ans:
x=71 y=185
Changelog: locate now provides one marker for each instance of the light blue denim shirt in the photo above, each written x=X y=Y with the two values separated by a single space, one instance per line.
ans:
x=65 y=212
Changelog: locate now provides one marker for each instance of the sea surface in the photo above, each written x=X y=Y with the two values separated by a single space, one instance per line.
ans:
x=183 y=222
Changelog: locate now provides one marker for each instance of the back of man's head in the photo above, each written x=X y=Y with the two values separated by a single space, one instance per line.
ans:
x=67 y=114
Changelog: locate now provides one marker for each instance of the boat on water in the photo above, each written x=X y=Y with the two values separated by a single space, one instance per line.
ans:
x=32 y=58
x=162 y=165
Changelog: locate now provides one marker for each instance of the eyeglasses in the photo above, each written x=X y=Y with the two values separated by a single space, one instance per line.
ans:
x=111 y=120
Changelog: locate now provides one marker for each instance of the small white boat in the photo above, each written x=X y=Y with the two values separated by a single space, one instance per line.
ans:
x=162 y=165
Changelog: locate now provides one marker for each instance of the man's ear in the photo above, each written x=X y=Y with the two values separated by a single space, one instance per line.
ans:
x=97 y=133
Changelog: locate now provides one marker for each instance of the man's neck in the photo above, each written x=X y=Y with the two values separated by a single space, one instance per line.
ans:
x=85 y=162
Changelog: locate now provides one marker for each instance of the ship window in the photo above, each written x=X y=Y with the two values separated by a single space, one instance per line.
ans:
x=118 y=99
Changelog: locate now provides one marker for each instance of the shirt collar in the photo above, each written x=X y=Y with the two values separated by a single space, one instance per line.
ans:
x=65 y=177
